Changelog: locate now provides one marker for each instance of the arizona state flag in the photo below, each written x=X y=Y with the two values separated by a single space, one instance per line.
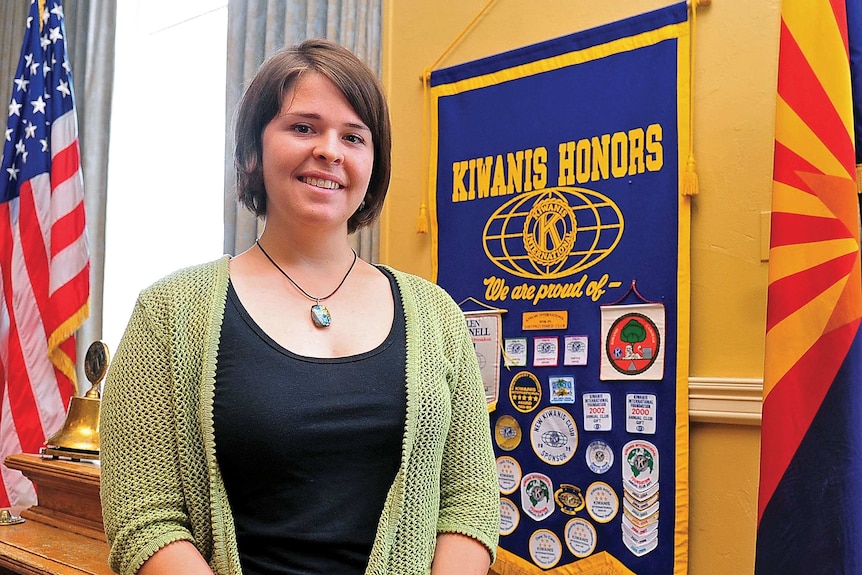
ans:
x=810 y=501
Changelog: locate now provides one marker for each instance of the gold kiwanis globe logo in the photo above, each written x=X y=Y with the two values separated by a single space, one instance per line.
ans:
x=552 y=233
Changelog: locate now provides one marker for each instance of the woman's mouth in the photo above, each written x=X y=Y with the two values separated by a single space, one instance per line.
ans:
x=321 y=183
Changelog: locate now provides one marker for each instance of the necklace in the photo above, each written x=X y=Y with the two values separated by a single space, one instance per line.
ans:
x=320 y=316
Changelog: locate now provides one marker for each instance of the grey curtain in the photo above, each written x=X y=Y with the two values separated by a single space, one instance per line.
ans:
x=256 y=28
x=13 y=17
x=90 y=27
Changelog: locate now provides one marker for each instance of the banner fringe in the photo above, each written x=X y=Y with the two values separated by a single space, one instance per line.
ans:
x=67 y=329
x=602 y=563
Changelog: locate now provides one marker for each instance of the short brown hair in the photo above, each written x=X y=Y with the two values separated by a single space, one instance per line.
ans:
x=262 y=101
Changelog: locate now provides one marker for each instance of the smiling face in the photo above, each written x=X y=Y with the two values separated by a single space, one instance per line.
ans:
x=317 y=156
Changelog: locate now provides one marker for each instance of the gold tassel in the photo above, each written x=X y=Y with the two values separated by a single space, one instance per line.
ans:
x=689 y=179
x=41 y=14
x=690 y=186
x=422 y=220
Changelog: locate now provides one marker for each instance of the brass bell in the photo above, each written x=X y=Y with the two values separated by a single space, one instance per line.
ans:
x=79 y=436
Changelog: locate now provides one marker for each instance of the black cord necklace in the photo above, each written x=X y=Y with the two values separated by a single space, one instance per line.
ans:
x=320 y=316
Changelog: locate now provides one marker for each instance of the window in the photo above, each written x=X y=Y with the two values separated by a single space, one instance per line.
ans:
x=166 y=159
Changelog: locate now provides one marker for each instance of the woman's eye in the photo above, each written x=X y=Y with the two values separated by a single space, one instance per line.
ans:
x=302 y=128
x=354 y=139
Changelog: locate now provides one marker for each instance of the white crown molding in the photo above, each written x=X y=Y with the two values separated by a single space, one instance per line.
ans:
x=728 y=400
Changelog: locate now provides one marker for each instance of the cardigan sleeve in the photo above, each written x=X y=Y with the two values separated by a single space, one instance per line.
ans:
x=142 y=498
x=470 y=502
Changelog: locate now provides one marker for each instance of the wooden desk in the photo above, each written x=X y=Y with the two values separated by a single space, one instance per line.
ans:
x=62 y=534
x=33 y=548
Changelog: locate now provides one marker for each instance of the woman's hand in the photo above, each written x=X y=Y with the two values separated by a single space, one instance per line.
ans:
x=458 y=554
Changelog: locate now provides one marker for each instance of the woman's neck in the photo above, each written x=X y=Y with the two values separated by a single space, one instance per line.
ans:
x=307 y=251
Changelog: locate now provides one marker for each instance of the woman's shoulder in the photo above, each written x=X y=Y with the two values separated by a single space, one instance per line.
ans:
x=189 y=281
x=417 y=284
x=425 y=293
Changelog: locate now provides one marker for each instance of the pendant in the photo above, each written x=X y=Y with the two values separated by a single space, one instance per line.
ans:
x=320 y=315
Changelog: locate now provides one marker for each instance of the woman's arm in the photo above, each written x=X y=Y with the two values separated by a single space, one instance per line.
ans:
x=178 y=557
x=468 y=519
x=458 y=554
x=469 y=488
x=143 y=503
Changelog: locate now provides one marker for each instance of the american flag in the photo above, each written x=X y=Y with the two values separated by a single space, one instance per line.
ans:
x=44 y=261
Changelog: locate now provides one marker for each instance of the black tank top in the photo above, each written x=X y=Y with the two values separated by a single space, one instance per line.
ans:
x=308 y=447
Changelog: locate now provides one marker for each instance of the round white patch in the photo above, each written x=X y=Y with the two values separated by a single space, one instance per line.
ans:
x=580 y=537
x=554 y=436
x=545 y=548
x=599 y=456
x=509 y=517
x=603 y=503
x=508 y=474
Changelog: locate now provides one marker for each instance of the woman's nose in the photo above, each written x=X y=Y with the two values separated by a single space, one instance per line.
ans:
x=328 y=149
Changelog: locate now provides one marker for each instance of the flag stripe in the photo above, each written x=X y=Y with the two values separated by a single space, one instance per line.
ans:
x=791 y=260
x=789 y=165
x=803 y=94
x=31 y=254
x=66 y=234
x=796 y=333
x=823 y=39
x=800 y=288
x=29 y=308
x=793 y=229
x=793 y=131
x=790 y=199
x=821 y=42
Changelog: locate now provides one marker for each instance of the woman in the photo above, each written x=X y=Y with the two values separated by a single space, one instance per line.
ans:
x=295 y=409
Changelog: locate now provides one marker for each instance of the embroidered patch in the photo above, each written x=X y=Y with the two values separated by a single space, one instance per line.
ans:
x=516 y=352
x=597 y=412
x=640 y=549
x=632 y=342
x=580 y=537
x=599 y=456
x=603 y=503
x=508 y=474
x=546 y=351
x=641 y=413
x=575 y=350
x=554 y=436
x=545 y=548
x=569 y=498
x=509 y=517
x=507 y=433
x=536 y=496
x=640 y=466
x=562 y=388
x=525 y=392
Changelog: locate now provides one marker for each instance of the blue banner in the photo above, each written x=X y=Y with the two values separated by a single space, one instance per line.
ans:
x=556 y=203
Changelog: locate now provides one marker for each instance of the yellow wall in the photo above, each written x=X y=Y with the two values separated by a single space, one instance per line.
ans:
x=735 y=73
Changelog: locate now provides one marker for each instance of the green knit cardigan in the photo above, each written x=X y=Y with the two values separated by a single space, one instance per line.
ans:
x=160 y=480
